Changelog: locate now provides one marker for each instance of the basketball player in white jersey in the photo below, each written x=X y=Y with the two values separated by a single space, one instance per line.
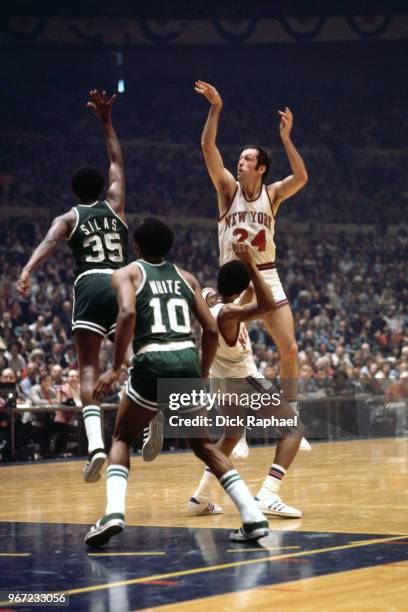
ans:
x=234 y=359
x=247 y=211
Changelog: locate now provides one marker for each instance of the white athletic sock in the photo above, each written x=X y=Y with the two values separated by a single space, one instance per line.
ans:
x=116 y=485
x=242 y=498
x=272 y=482
x=93 y=427
x=203 y=491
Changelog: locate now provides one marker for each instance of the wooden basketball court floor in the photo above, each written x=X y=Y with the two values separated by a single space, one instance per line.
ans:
x=349 y=552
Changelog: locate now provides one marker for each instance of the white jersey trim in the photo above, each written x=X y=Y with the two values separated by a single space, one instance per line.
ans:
x=94 y=271
x=115 y=213
x=89 y=205
x=152 y=264
x=183 y=279
x=141 y=268
x=165 y=346
x=76 y=223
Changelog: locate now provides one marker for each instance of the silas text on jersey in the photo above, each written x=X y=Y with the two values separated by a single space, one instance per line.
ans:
x=99 y=224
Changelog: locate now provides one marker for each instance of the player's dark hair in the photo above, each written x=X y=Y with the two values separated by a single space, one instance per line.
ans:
x=263 y=157
x=233 y=278
x=153 y=237
x=87 y=184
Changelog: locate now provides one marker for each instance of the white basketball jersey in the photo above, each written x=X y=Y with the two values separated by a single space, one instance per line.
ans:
x=235 y=361
x=250 y=221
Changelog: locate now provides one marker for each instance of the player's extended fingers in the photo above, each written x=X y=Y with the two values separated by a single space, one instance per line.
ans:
x=112 y=99
x=91 y=105
x=97 y=98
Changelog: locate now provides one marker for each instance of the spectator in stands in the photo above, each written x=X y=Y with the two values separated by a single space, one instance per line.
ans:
x=65 y=421
x=30 y=379
x=56 y=355
x=57 y=376
x=307 y=383
x=38 y=328
x=15 y=360
x=7 y=377
x=396 y=398
x=43 y=395
x=57 y=330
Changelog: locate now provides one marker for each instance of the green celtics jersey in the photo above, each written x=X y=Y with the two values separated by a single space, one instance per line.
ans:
x=164 y=302
x=99 y=239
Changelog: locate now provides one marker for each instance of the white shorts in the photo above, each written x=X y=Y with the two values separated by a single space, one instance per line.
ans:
x=271 y=277
x=242 y=369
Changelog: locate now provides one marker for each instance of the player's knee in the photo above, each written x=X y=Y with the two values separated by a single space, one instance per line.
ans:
x=88 y=381
x=123 y=437
x=203 y=449
x=289 y=351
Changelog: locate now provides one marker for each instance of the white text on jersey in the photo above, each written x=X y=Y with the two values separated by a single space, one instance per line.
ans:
x=165 y=286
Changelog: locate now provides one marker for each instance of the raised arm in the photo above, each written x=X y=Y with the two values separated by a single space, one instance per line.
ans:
x=264 y=302
x=209 y=337
x=102 y=107
x=222 y=179
x=124 y=282
x=281 y=190
x=60 y=228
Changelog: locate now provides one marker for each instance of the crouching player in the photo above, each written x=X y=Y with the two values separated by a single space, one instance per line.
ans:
x=234 y=360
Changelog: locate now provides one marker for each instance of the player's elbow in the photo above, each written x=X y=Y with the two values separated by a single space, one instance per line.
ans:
x=206 y=146
x=126 y=315
x=303 y=179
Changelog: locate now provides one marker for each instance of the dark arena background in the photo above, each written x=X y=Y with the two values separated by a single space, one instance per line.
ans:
x=342 y=252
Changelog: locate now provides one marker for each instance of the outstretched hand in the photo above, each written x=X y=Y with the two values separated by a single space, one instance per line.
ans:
x=243 y=252
x=209 y=92
x=104 y=383
x=101 y=105
x=23 y=284
x=286 y=123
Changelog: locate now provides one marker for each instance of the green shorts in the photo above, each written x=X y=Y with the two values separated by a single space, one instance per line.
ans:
x=141 y=386
x=95 y=306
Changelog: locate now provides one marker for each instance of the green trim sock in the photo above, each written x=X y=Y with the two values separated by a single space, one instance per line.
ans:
x=242 y=498
x=93 y=427
x=116 y=486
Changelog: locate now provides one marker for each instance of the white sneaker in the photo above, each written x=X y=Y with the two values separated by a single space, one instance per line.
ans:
x=153 y=438
x=197 y=508
x=92 y=468
x=274 y=506
x=304 y=445
x=241 y=449
x=107 y=526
